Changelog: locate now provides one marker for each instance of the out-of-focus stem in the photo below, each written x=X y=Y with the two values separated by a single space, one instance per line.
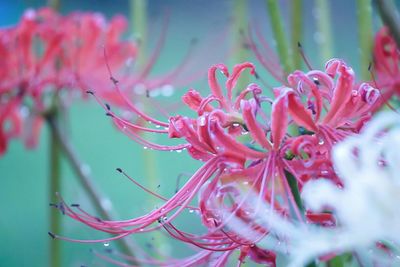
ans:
x=324 y=31
x=240 y=26
x=297 y=27
x=138 y=20
x=364 y=17
x=279 y=34
x=100 y=203
x=55 y=4
x=54 y=186
x=390 y=16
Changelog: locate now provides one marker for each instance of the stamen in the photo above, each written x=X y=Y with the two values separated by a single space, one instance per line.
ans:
x=301 y=51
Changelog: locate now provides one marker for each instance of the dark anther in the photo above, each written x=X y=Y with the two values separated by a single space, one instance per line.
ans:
x=52 y=235
x=369 y=66
x=256 y=75
x=107 y=106
x=89 y=92
x=62 y=208
x=115 y=81
x=98 y=219
x=75 y=205
x=316 y=81
x=53 y=205
x=299 y=45
x=119 y=170
x=158 y=186
x=109 y=114
x=159 y=220
x=147 y=93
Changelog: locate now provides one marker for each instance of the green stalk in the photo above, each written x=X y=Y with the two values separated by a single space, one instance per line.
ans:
x=279 y=34
x=55 y=186
x=138 y=18
x=390 y=16
x=364 y=17
x=294 y=188
x=239 y=27
x=55 y=4
x=323 y=22
x=65 y=147
x=297 y=23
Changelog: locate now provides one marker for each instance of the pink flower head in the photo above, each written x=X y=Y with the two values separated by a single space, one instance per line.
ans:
x=46 y=53
x=246 y=153
x=386 y=63
x=335 y=106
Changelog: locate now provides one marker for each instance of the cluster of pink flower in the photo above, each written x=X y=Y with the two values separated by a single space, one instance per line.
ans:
x=47 y=54
x=246 y=150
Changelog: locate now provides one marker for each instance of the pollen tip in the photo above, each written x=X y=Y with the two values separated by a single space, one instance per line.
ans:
x=109 y=114
x=119 y=170
x=107 y=106
x=53 y=236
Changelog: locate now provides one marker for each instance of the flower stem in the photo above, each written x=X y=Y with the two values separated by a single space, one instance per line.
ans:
x=364 y=17
x=297 y=23
x=100 y=202
x=324 y=31
x=390 y=16
x=279 y=34
x=55 y=185
x=138 y=20
x=294 y=188
x=55 y=4
x=240 y=26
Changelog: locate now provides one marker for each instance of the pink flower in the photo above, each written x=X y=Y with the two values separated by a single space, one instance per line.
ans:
x=386 y=64
x=46 y=53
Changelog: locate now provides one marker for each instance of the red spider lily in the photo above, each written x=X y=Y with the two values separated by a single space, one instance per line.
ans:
x=347 y=105
x=47 y=54
x=243 y=149
x=386 y=64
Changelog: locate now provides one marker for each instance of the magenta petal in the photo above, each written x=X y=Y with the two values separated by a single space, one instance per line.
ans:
x=279 y=118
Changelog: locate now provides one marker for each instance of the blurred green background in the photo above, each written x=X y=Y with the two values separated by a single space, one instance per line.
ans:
x=24 y=173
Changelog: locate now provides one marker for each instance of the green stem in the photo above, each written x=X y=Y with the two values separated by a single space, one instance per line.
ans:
x=324 y=31
x=279 y=34
x=99 y=201
x=390 y=16
x=55 y=4
x=55 y=186
x=239 y=27
x=138 y=20
x=294 y=188
x=364 y=17
x=297 y=23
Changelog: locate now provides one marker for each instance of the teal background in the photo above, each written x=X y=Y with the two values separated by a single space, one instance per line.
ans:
x=24 y=183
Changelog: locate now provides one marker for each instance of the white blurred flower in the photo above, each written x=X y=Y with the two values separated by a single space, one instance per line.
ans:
x=367 y=207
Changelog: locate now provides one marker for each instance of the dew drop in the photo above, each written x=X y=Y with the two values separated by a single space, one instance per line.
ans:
x=106 y=244
x=321 y=142
x=191 y=210
x=179 y=151
x=145 y=147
